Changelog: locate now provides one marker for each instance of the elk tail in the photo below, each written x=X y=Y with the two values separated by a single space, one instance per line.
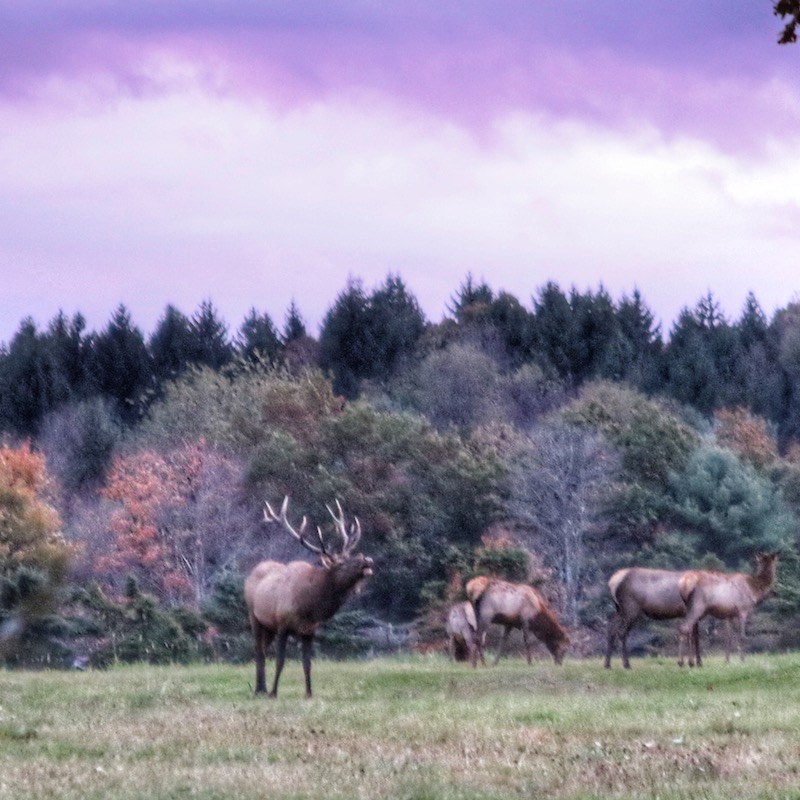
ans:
x=613 y=584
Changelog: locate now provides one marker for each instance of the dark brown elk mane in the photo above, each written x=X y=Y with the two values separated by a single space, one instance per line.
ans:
x=294 y=599
x=762 y=581
x=548 y=629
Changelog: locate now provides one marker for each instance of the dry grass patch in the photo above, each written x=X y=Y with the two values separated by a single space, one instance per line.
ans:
x=405 y=729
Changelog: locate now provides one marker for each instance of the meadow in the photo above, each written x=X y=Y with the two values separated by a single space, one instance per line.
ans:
x=410 y=728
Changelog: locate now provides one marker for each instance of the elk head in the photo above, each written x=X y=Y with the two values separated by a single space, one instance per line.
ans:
x=348 y=566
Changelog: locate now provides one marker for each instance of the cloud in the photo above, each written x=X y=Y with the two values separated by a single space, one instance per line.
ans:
x=257 y=153
x=706 y=70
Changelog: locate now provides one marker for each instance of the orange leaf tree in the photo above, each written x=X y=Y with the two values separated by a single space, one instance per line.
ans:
x=747 y=435
x=34 y=556
x=175 y=522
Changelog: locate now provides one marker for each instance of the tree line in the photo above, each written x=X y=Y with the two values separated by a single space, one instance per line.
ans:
x=551 y=444
x=707 y=361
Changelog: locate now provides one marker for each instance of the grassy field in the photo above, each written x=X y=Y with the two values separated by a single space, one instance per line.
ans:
x=414 y=728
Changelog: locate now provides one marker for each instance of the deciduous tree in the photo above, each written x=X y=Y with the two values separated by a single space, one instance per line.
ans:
x=560 y=480
x=176 y=522
x=34 y=556
x=746 y=435
x=788 y=10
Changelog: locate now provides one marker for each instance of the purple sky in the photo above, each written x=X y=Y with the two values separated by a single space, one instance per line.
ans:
x=252 y=153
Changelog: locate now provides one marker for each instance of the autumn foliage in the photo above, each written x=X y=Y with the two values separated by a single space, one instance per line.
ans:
x=157 y=531
x=747 y=435
x=30 y=528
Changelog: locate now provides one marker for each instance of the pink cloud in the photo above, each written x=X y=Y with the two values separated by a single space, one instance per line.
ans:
x=257 y=152
x=699 y=70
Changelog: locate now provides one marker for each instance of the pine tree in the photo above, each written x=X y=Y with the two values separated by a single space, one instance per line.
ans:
x=121 y=364
x=346 y=344
x=171 y=345
x=31 y=385
x=71 y=351
x=211 y=345
x=259 y=338
x=396 y=323
x=701 y=358
x=294 y=328
x=472 y=301
x=553 y=330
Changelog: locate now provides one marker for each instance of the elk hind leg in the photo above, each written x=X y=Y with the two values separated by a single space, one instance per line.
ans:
x=476 y=650
x=625 y=629
x=263 y=639
x=280 y=657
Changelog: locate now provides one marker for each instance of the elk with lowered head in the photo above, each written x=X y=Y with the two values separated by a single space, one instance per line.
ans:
x=462 y=634
x=294 y=599
x=516 y=605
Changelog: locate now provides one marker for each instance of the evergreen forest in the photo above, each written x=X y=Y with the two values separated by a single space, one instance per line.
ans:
x=551 y=442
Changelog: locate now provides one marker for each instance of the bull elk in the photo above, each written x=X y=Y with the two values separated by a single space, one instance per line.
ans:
x=728 y=596
x=294 y=599
x=462 y=634
x=642 y=592
x=516 y=605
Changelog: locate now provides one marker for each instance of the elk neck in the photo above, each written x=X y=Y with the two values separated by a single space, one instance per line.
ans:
x=339 y=581
x=762 y=580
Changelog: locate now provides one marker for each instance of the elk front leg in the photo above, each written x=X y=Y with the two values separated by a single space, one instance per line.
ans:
x=742 y=626
x=527 y=643
x=696 y=644
x=307 y=643
x=280 y=657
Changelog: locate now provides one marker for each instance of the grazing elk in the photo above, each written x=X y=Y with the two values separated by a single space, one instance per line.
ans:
x=293 y=599
x=728 y=596
x=462 y=634
x=516 y=605
x=643 y=592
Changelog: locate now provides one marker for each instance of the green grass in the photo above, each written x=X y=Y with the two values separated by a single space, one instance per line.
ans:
x=406 y=729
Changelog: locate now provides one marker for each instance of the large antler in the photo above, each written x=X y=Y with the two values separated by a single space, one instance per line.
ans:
x=351 y=535
x=271 y=516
